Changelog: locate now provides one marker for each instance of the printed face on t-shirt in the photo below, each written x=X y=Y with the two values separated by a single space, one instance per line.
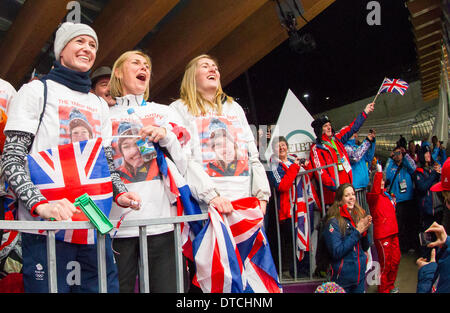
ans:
x=77 y=122
x=223 y=146
x=130 y=153
x=224 y=151
x=128 y=160
x=79 y=133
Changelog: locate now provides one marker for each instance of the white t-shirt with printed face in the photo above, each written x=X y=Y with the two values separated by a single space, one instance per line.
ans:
x=7 y=93
x=65 y=110
x=142 y=177
x=232 y=181
x=63 y=106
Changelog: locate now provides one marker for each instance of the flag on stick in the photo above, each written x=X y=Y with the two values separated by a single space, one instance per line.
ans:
x=394 y=85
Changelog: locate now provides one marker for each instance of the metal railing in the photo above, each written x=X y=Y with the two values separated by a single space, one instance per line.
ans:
x=52 y=226
x=312 y=248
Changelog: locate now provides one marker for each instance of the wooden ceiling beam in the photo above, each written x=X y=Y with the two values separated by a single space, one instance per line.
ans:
x=436 y=76
x=32 y=28
x=429 y=87
x=428 y=69
x=121 y=27
x=432 y=76
x=433 y=49
x=423 y=64
x=430 y=93
x=419 y=7
x=426 y=19
x=430 y=97
x=431 y=54
x=258 y=36
x=195 y=30
x=427 y=31
x=429 y=41
x=251 y=41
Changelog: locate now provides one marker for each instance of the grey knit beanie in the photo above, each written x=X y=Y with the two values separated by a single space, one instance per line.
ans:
x=67 y=31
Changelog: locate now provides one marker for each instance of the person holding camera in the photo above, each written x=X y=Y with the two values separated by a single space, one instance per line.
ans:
x=438 y=152
x=434 y=274
x=284 y=169
x=360 y=155
x=399 y=170
x=429 y=204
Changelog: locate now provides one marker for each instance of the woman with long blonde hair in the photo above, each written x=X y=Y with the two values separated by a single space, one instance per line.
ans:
x=204 y=108
x=130 y=81
x=345 y=235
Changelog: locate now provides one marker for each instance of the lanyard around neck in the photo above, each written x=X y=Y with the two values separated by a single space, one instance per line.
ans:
x=333 y=145
x=143 y=103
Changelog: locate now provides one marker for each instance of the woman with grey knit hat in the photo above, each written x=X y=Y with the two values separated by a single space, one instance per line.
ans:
x=35 y=124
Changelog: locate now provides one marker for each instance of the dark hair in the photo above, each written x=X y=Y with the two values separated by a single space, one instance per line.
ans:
x=334 y=211
x=397 y=147
x=277 y=140
x=402 y=142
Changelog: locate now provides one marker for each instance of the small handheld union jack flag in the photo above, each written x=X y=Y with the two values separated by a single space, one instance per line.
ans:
x=393 y=85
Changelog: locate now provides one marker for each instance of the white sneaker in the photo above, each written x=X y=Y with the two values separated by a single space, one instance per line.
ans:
x=395 y=290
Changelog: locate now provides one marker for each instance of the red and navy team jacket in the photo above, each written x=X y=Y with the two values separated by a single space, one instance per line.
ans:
x=321 y=154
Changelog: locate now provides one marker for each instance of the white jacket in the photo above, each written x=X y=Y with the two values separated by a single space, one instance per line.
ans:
x=198 y=153
x=156 y=202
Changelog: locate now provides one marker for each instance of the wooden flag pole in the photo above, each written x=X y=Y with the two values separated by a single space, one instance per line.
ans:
x=379 y=90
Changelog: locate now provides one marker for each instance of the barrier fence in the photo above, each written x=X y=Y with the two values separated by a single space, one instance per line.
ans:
x=312 y=247
x=52 y=226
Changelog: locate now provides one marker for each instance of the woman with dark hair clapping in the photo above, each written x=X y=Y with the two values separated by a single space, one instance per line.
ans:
x=345 y=235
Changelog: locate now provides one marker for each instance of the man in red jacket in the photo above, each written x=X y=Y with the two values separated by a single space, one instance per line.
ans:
x=329 y=148
x=385 y=233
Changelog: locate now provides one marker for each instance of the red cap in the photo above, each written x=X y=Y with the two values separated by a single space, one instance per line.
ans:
x=444 y=184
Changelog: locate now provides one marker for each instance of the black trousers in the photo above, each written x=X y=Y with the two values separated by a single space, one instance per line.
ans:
x=161 y=262
x=408 y=225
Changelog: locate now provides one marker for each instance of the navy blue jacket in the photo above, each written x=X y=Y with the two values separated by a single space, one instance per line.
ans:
x=424 y=178
x=348 y=260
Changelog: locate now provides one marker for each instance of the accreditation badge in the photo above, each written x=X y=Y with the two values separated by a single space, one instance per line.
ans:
x=346 y=165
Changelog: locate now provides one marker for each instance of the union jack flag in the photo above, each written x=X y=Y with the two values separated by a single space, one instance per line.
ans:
x=232 y=253
x=302 y=216
x=68 y=171
x=393 y=85
x=180 y=195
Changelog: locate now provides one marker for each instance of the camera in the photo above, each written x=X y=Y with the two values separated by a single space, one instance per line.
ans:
x=426 y=238
x=301 y=160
